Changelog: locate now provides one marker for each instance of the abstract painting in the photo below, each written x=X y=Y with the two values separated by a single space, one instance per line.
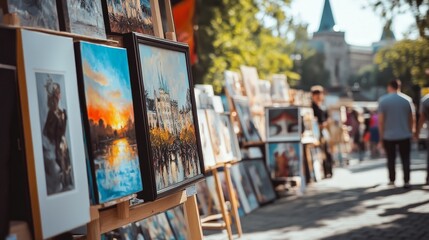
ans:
x=125 y=16
x=230 y=136
x=83 y=17
x=283 y=124
x=260 y=180
x=35 y=13
x=284 y=159
x=247 y=125
x=166 y=112
x=109 y=114
x=220 y=139
x=206 y=144
x=55 y=132
x=244 y=188
x=177 y=220
x=52 y=126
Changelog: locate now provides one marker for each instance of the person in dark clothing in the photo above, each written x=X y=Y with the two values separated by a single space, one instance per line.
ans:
x=317 y=98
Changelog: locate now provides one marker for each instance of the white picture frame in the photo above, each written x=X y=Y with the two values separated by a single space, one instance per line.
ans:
x=41 y=56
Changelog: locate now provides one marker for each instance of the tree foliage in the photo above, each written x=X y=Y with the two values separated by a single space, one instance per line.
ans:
x=388 y=9
x=408 y=61
x=231 y=34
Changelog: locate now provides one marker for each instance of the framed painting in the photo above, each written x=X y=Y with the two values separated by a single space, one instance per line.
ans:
x=206 y=144
x=165 y=113
x=35 y=13
x=317 y=159
x=251 y=82
x=233 y=84
x=280 y=89
x=108 y=116
x=260 y=180
x=125 y=16
x=220 y=139
x=53 y=136
x=265 y=90
x=83 y=17
x=177 y=220
x=230 y=136
x=248 y=128
x=244 y=188
x=284 y=159
x=283 y=124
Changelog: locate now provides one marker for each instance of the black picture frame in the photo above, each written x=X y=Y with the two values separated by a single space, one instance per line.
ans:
x=132 y=42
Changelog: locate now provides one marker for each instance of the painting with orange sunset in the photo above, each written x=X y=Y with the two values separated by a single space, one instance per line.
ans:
x=111 y=134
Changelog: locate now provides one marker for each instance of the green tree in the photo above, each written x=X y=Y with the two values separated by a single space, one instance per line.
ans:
x=389 y=9
x=230 y=34
x=408 y=61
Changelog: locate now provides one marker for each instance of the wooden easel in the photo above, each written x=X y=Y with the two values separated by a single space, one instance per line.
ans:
x=112 y=215
x=208 y=223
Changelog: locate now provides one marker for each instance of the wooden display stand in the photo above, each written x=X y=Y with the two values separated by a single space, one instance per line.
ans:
x=208 y=223
x=115 y=214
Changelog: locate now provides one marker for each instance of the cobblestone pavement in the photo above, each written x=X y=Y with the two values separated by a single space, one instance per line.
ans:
x=355 y=204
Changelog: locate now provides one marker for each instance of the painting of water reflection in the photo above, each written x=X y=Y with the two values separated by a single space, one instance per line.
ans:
x=110 y=120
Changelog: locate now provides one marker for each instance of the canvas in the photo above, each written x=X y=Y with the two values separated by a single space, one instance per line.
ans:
x=242 y=203
x=54 y=146
x=221 y=146
x=317 y=159
x=244 y=188
x=177 y=220
x=284 y=159
x=230 y=136
x=260 y=180
x=247 y=125
x=83 y=17
x=251 y=86
x=166 y=114
x=265 y=91
x=129 y=231
x=105 y=91
x=158 y=227
x=125 y=16
x=233 y=84
x=280 y=89
x=35 y=13
x=283 y=124
x=208 y=200
x=206 y=144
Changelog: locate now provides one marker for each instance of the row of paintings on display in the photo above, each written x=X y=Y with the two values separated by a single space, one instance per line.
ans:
x=170 y=225
x=139 y=119
x=86 y=17
x=252 y=185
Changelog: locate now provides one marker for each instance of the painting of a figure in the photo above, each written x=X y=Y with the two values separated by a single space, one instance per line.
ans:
x=170 y=115
x=110 y=116
x=283 y=124
x=55 y=133
x=35 y=13
x=126 y=16
x=83 y=17
x=284 y=159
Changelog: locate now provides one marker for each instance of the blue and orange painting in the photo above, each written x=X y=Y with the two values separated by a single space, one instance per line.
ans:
x=110 y=114
x=170 y=116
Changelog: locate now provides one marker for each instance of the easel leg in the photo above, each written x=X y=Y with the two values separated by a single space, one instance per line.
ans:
x=193 y=218
x=225 y=213
x=93 y=230
x=234 y=204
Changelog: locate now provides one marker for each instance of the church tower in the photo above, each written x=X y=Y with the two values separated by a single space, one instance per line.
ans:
x=334 y=47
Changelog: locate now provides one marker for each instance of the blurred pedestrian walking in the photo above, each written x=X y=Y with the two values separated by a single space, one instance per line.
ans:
x=317 y=98
x=374 y=135
x=396 y=120
x=424 y=117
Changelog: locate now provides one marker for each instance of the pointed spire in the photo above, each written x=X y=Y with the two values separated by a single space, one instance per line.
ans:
x=387 y=32
x=327 y=22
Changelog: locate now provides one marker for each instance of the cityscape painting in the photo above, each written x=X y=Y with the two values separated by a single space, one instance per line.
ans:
x=125 y=16
x=111 y=135
x=169 y=114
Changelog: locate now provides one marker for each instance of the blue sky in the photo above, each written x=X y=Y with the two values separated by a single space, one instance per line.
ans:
x=362 y=26
x=173 y=67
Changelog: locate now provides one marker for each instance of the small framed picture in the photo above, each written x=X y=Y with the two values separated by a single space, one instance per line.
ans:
x=284 y=159
x=248 y=128
x=283 y=123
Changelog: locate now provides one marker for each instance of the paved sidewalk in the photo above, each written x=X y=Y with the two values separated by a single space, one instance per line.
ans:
x=355 y=204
